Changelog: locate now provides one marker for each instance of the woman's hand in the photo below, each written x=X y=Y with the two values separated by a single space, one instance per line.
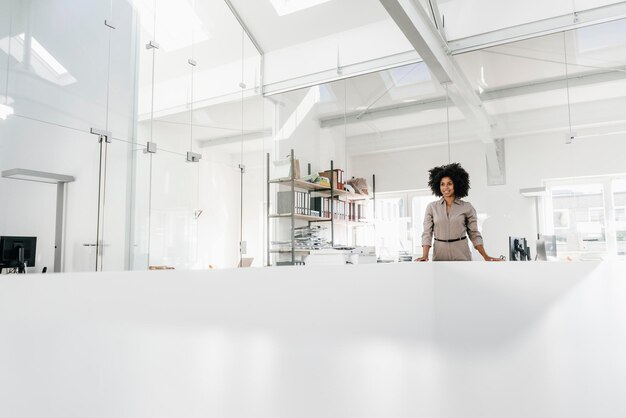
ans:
x=489 y=258
x=421 y=259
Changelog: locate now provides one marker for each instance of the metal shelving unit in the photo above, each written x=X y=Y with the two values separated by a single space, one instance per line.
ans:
x=323 y=191
x=294 y=185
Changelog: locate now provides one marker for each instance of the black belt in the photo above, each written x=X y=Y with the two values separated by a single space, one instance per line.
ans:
x=450 y=240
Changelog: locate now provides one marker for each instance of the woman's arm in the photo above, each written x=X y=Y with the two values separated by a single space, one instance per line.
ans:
x=427 y=235
x=476 y=237
x=481 y=249
x=426 y=250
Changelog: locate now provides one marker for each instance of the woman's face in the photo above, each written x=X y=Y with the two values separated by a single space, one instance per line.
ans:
x=447 y=187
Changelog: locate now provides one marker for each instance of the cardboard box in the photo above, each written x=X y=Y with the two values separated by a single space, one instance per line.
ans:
x=337 y=177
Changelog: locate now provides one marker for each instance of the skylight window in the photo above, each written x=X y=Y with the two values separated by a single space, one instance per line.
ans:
x=5 y=111
x=174 y=22
x=45 y=56
x=42 y=62
x=285 y=7
x=410 y=74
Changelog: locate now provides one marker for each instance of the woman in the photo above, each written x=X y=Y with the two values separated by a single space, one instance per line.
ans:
x=450 y=218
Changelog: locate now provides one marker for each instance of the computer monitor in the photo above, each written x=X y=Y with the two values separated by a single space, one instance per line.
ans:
x=546 y=247
x=14 y=251
x=518 y=249
x=541 y=250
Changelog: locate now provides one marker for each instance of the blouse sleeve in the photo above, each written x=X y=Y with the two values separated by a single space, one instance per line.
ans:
x=427 y=235
x=472 y=227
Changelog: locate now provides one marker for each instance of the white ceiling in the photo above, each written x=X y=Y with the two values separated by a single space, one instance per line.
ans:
x=522 y=84
x=274 y=32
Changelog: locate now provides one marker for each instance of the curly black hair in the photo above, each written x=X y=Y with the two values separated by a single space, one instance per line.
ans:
x=459 y=177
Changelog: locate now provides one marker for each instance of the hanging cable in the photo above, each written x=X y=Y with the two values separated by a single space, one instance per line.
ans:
x=241 y=166
x=569 y=112
x=448 y=121
x=6 y=86
x=345 y=145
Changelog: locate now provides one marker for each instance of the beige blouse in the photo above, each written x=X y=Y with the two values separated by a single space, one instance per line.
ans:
x=462 y=220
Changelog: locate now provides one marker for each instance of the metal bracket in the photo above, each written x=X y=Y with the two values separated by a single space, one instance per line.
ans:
x=242 y=168
x=109 y=23
x=151 y=45
x=193 y=157
x=102 y=134
x=192 y=62
x=151 y=147
x=243 y=247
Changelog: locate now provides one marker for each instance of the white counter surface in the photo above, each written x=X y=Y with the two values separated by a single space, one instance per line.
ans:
x=397 y=340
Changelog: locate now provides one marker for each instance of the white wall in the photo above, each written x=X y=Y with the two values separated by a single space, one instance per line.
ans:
x=529 y=161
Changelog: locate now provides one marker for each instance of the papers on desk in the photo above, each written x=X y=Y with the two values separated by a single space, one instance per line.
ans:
x=340 y=257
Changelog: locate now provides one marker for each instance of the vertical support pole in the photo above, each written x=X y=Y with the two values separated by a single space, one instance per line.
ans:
x=267 y=209
x=374 y=194
x=293 y=210
x=102 y=178
x=58 y=232
x=332 y=204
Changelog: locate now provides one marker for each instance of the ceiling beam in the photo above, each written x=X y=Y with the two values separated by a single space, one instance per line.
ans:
x=415 y=24
x=244 y=27
x=413 y=21
x=548 y=84
x=437 y=18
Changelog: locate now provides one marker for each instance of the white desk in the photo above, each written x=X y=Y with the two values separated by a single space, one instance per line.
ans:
x=457 y=340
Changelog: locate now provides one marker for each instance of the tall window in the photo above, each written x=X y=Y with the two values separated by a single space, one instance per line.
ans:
x=588 y=215
x=399 y=219
x=619 y=214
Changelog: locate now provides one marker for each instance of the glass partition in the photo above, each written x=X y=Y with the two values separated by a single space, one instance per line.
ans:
x=156 y=112
x=72 y=106
x=200 y=102
x=56 y=76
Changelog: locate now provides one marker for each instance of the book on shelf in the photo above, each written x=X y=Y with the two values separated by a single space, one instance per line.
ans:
x=336 y=175
x=342 y=210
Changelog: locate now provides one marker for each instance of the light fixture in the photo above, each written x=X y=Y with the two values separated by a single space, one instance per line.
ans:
x=535 y=193
x=38 y=176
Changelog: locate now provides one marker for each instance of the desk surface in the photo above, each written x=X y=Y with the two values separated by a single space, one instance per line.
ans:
x=443 y=340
